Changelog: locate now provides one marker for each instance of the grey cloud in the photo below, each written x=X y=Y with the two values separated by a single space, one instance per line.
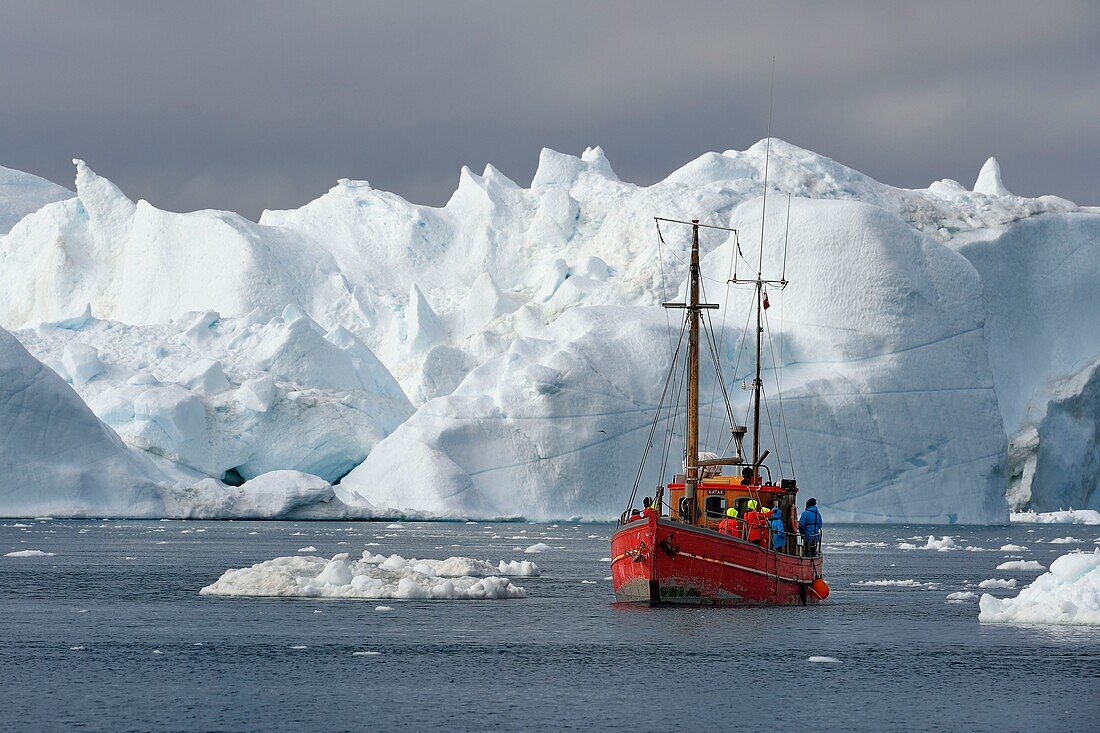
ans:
x=249 y=106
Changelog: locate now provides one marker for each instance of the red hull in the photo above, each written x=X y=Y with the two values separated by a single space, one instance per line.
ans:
x=661 y=561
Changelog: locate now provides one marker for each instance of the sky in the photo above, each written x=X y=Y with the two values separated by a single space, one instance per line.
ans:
x=246 y=106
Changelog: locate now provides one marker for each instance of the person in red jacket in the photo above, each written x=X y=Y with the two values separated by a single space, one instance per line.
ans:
x=757 y=521
x=651 y=509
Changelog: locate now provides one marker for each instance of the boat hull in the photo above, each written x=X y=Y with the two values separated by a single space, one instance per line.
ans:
x=659 y=561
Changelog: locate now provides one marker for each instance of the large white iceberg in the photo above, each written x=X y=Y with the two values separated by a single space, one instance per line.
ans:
x=892 y=407
x=919 y=328
x=1068 y=594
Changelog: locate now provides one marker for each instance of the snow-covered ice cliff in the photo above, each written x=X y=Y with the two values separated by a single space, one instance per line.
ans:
x=923 y=331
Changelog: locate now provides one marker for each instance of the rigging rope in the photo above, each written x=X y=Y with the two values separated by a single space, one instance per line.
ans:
x=777 y=367
x=656 y=419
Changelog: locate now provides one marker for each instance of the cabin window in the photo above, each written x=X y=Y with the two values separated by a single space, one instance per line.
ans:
x=715 y=507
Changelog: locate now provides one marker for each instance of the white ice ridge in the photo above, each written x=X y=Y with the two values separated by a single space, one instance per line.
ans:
x=217 y=394
x=375 y=577
x=1068 y=594
x=522 y=324
x=23 y=193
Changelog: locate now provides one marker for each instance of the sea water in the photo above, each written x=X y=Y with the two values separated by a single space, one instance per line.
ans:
x=109 y=633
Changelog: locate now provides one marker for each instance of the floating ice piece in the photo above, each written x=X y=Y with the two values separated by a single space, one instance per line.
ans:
x=1022 y=565
x=520 y=568
x=538 y=547
x=1065 y=541
x=374 y=577
x=823 y=660
x=28 y=553
x=1013 y=548
x=310 y=548
x=383 y=609
x=943 y=544
x=1068 y=594
x=998 y=583
x=1071 y=516
x=963 y=595
x=907 y=583
x=855 y=543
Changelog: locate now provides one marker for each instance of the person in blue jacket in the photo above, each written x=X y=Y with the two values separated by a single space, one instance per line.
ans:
x=809 y=526
x=779 y=532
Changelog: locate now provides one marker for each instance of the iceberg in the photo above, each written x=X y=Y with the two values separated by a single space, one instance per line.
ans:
x=932 y=343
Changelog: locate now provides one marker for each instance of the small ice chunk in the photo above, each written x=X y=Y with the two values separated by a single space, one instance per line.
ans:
x=998 y=583
x=308 y=548
x=28 y=553
x=943 y=544
x=1013 y=548
x=538 y=547
x=257 y=394
x=823 y=660
x=1022 y=565
x=963 y=595
x=383 y=609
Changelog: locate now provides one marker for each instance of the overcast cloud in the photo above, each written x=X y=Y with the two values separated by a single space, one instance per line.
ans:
x=247 y=106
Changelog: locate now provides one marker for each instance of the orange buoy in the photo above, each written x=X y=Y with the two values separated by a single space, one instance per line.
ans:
x=820 y=589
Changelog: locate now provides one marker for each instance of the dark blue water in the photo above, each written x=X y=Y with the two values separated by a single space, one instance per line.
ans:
x=562 y=659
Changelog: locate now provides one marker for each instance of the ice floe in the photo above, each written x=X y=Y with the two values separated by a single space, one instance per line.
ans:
x=374 y=577
x=943 y=544
x=998 y=583
x=1069 y=516
x=28 y=553
x=1022 y=565
x=1068 y=594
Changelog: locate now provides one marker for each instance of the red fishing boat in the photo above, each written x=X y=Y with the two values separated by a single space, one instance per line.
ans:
x=716 y=543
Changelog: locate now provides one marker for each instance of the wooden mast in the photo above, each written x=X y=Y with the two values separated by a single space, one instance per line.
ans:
x=757 y=383
x=691 y=459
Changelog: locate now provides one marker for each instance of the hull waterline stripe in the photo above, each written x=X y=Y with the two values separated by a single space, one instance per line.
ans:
x=723 y=562
x=739 y=567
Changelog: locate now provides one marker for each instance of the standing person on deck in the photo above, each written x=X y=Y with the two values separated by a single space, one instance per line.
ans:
x=757 y=522
x=650 y=509
x=809 y=526
x=779 y=531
